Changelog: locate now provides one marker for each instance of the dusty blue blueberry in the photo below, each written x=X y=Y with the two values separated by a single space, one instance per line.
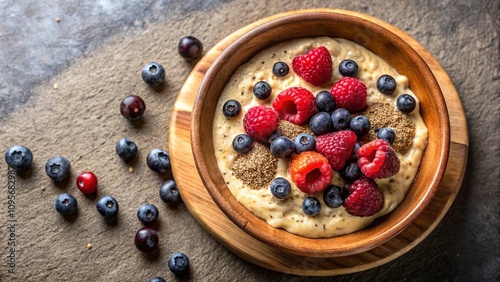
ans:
x=262 y=90
x=153 y=74
x=242 y=143
x=360 y=125
x=387 y=134
x=58 y=168
x=147 y=213
x=348 y=68
x=178 y=263
x=280 y=188
x=66 y=204
x=386 y=84
x=231 y=108
x=282 y=147
x=280 y=69
x=107 y=206
x=169 y=193
x=304 y=142
x=126 y=149
x=19 y=157
x=325 y=102
x=332 y=196
x=158 y=160
x=156 y=279
x=406 y=103
x=350 y=172
x=340 y=119
x=320 y=123
x=311 y=206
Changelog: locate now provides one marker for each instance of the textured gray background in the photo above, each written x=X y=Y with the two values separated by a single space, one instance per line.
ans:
x=95 y=54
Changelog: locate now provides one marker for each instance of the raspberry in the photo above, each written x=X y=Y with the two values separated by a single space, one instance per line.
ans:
x=315 y=66
x=260 y=122
x=336 y=147
x=310 y=171
x=295 y=104
x=365 y=198
x=377 y=159
x=350 y=94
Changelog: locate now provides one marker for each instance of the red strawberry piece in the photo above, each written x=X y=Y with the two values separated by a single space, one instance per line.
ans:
x=377 y=159
x=260 y=122
x=336 y=147
x=350 y=94
x=310 y=171
x=315 y=66
x=365 y=198
x=295 y=104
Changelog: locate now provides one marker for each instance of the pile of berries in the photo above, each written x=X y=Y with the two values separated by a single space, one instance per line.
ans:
x=338 y=129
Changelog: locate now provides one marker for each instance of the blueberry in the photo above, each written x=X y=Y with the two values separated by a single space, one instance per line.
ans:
x=107 y=206
x=190 y=48
x=153 y=74
x=273 y=136
x=126 y=149
x=147 y=213
x=406 y=103
x=158 y=160
x=340 y=119
x=231 y=108
x=19 y=157
x=280 y=188
x=66 y=204
x=386 y=133
x=320 y=123
x=325 y=102
x=311 y=206
x=242 y=143
x=332 y=196
x=178 y=263
x=169 y=193
x=146 y=240
x=350 y=172
x=157 y=279
x=282 y=147
x=360 y=125
x=58 y=168
x=354 y=154
x=280 y=69
x=262 y=90
x=304 y=142
x=386 y=84
x=348 y=68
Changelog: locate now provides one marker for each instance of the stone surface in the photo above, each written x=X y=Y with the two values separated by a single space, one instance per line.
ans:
x=60 y=86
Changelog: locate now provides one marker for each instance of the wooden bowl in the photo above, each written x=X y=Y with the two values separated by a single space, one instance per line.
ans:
x=380 y=41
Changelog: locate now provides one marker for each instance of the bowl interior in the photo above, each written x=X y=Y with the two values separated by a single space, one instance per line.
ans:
x=380 y=41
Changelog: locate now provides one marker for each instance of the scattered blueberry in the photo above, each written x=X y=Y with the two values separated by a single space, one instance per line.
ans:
x=107 y=206
x=304 y=142
x=332 y=196
x=147 y=213
x=158 y=160
x=360 y=125
x=190 y=48
x=387 y=134
x=348 y=68
x=311 y=206
x=19 y=157
x=58 y=168
x=320 y=123
x=325 y=102
x=280 y=69
x=262 y=90
x=132 y=107
x=282 y=147
x=178 y=263
x=231 y=108
x=242 y=143
x=340 y=119
x=386 y=84
x=126 y=149
x=406 y=103
x=146 y=240
x=153 y=74
x=66 y=204
x=169 y=193
x=157 y=279
x=280 y=188
x=350 y=172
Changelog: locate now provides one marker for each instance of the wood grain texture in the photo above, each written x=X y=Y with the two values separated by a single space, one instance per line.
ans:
x=216 y=223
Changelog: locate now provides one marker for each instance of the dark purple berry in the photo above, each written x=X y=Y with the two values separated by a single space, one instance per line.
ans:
x=386 y=133
x=406 y=103
x=146 y=240
x=320 y=123
x=178 y=263
x=360 y=125
x=231 y=108
x=348 y=68
x=262 y=90
x=242 y=143
x=190 y=48
x=280 y=69
x=169 y=193
x=19 y=157
x=304 y=142
x=340 y=119
x=311 y=206
x=132 y=107
x=350 y=172
x=282 y=147
x=325 y=102
x=386 y=84
x=153 y=74
x=332 y=196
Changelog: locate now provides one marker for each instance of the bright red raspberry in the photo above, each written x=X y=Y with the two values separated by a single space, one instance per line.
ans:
x=377 y=159
x=315 y=66
x=336 y=147
x=310 y=171
x=365 y=198
x=260 y=122
x=295 y=104
x=350 y=94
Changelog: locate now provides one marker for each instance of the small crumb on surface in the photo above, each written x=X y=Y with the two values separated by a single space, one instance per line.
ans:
x=58 y=19
x=89 y=246
x=131 y=169
x=55 y=85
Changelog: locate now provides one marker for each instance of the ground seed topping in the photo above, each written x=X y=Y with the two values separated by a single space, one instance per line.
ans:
x=385 y=115
x=291 y=130
x=257 y=168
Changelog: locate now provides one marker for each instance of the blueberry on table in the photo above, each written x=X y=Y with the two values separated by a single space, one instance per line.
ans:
x=158 y=160
x=66 y=204
x=178 y=263
x=320 y=123
x=126 y=149
x=280 y=188
x=58 y=168
x=340 y=119
x=147 y=213
x=360 y=125
x=153 y=74
x=280 y=69
x=282 y=147
x=311 y=206
x=132 y=107
x=406 y=103
x=332 y=196
x=19 y=157
x=386 y=84
x=146 y=240
x=304 y=142
x=325 y=102
x=262 y=90
x=231 y=108
x=190 y=48
x=107 y=206
x=169 y=193
x=156 y=279
x=242 y=143
x=348 y=68
x=387 y=134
